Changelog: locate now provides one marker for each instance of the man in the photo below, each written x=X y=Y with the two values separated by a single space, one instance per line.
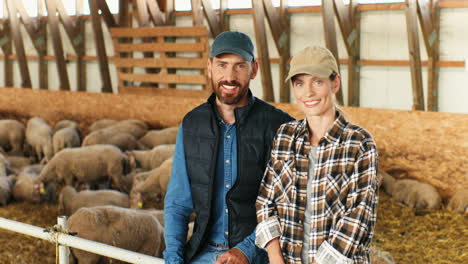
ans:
x=221 y=153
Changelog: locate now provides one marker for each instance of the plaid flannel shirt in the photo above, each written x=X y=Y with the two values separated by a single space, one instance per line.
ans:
x=344 y=193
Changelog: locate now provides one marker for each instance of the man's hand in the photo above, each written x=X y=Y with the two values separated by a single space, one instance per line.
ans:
x=233 y=256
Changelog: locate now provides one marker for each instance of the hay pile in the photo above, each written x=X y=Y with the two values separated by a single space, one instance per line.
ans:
x=416 y=237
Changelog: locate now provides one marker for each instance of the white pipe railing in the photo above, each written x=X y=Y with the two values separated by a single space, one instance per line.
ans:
x=79 y=243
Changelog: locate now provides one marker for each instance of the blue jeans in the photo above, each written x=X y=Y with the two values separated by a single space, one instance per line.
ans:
x=210 y=254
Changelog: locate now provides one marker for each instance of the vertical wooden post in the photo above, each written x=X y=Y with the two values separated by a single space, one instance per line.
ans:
x=262 y=50
x=213 y=21
x=7 y=51
x=100 y=46
x=58 y=47
x=19 y=45
x=415 y=57
x=80 y=49
x=169 y=10
x=223 y=17
x=330 y=37
x=40 y=42
x=197 y=15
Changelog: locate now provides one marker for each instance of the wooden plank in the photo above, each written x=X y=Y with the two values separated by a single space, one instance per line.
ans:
x=58 y=46
x=164 y=78
x=169 y=13
x=143 y=17
x=68 y=24
x=278 y=29
x=415 y=57
x=125 y=18
x=262 y=50
x=7 y=50
x=80 y=54
x=155 y=12
x=151 y=91
x=106 y=14
x=354 y=70
x=19 y=45
x=197 y=13
x=377 y=7
x=426 y=24
x=100 y=46
x=223 y=16
x=330 y=37
x=168 y=31
x=344 y=21
x=212 y=18
x=161 y=47
x=452 y=4
x=432 y=70
x=284 y=88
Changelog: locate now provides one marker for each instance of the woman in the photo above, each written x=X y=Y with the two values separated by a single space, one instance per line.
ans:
x=318 y=199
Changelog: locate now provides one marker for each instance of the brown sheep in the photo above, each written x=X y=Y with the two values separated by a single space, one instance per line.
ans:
x=4 y=166
x=151 y=192
x=135 y=230
x=416 y=194
x=39 y=139
x=6 y=184
x=160 y=137
x=67 y=137
x=67 y=123
x=17 y=162
x=459 y=201
x=92 y=165
x=70 y=200
x=12 y=135
x=123 y=141
x=100 y=124
x=151 y=159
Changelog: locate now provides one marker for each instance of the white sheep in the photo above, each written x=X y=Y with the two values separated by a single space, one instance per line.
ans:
x=151 y=192
x=6 y=184
x=459 y=201
x=387 y=181
x=135 y=230
x=17 y=163
x=70 y=200
x=12 y=135
x=68 y=137
x=92 y=165
x=123 y=141
x=151 y=159
x=39 y=139
x=100 y=124
x=160 y=137
x=416 y=194
x=67 y=123
x=23 y=190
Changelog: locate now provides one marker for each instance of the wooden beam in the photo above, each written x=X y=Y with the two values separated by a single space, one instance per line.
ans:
x=354 y=70
x=284 y=88
x=143 y=17
x=58 y=46
x=330 y=37
x=212 y=18
x=427 y=27
x=5 y=43
x=19 y=45
x=106 y=14
x=262 y=50
x=223 y=16
x=197 y=15
x=432 y=70
x=414 y=54
x=100 y=46
x=155 y=12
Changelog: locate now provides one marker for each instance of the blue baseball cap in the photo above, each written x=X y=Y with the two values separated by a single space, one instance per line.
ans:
x=233 y=42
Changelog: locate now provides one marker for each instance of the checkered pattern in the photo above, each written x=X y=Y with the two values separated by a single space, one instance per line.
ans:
x=343 y=196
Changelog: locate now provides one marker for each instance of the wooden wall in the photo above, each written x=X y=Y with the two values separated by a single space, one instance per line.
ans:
x=428 y=146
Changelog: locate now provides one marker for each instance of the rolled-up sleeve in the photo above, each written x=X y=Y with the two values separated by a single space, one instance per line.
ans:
x=356 y=225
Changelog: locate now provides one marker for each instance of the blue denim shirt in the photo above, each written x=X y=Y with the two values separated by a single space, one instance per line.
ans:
x=178 y=203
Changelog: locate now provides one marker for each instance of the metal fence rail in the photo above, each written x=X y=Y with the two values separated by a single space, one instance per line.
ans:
x=78 y=243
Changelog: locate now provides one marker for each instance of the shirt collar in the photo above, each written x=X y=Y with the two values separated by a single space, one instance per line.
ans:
x=334 y=132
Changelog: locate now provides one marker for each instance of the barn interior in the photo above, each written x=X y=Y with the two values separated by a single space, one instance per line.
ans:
x=403 y=66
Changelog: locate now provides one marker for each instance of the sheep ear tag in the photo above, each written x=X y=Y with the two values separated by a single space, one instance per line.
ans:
x=140 y=205
x=42 y=190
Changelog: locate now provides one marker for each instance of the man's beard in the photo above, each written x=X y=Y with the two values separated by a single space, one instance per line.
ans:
x=230 y=99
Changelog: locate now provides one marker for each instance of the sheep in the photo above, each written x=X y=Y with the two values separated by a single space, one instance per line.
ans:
x=160 y=137
x=70 y=200
x=416 y=194
x=135 y=230
x=159 y=214
x=4 y=166
x=136 y=122
x=151 y=159
x=459 y=201
x=6 y=184
x=68 y=137
x=150 y=193
x=39 y=139
x=92 y=164
x=17 y=163
x=380 y=257
x=123 y=141
x=67 y=123
x=387 y=181
x=12 y=134
x=100 y=124
x=23 y=190
x=132 y=127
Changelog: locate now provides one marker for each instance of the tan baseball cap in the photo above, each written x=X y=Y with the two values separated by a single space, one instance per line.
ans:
x=316 y=61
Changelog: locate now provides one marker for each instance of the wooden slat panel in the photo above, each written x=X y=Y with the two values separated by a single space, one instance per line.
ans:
x=163 y=78
x=160 y=47
x=161 y=31
x=182 y=63
x=180 y=93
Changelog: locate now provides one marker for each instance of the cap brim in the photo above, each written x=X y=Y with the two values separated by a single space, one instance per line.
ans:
x=319 y=70
x=245 y=55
